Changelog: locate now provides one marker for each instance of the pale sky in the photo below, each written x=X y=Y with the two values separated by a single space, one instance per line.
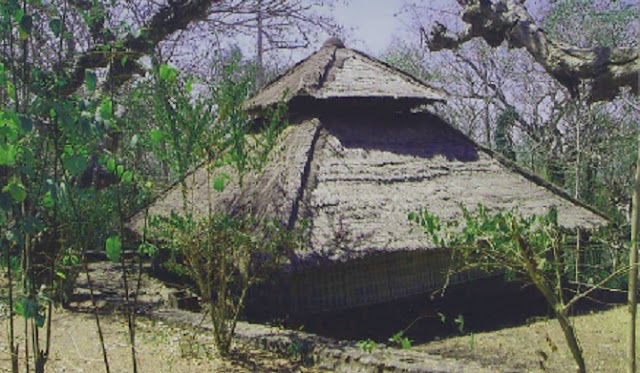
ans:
x=371 y=23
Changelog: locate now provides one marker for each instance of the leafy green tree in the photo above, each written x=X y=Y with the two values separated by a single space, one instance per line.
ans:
x=223 y=255
x=602 y=71
x=525 y=247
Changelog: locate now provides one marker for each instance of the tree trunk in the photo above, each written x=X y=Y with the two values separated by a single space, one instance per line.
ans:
x=633 y=271
x=558 y=308
x=572 y=341
x=260 y=49
x=487 y=113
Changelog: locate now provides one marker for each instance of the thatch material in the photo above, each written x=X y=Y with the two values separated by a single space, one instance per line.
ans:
x=355 y=179
x=338 y=72
x=352 y=165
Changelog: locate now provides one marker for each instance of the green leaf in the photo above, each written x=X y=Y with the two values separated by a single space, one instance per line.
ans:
x=134 y=141
x=106 y=109
x=220 y=182
x=17 y=12
x=40 y=319
x=8 y=154
x=27 y=308
x=156 y=136
x=459 y=320
x=127 y=177
x=147 y=248
x=11 y=89
x=47 y=200
x=56 y=26
x=75 y=164
x=26 y=26
x=26 y=125
x=17 y=191
x=119 y=170
x=167 y=73
x=18 y=308
x=114 y=248
x=91 y=81
x=111 y=165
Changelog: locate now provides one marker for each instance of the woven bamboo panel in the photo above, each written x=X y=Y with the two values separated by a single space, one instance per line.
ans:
x=372 y=280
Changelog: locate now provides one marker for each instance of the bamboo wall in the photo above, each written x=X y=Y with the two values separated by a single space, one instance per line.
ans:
x=376 y=279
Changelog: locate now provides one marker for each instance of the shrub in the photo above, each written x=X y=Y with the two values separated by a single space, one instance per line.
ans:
x=224 y=256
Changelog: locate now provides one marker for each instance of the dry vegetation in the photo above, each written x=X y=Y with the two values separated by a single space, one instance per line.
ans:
x=161 y=346
x=540 y=346
x=165 y=347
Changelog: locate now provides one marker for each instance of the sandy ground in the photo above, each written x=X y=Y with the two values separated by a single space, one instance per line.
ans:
x=161 y=347
x=541 y=347
x=164 y=347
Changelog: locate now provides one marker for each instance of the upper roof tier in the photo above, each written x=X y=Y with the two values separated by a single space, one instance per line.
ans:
x=336 y=72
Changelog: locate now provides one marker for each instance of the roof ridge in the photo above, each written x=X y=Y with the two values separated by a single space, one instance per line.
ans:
x=326 y=75
x=404 y=74
x=290 y=71
x=526 y=173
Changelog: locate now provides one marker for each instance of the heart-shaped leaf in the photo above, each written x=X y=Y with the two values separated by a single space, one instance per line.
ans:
x=114 y=248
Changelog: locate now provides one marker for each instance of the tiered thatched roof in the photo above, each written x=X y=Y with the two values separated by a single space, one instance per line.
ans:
x=355 y=177
x=335 y=72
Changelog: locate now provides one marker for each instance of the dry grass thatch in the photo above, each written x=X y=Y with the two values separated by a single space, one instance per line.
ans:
x=355 y=179
x=352 y=165
x=338 y=72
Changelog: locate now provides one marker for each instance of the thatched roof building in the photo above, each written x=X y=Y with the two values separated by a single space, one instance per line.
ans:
x=355 y=161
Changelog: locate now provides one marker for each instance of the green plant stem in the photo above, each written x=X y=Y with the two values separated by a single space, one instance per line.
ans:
x=556 y=303
x=139 y=279
x=52 y=268
x=125 y=281
x=12 y=347
x=14 y=76
x=26 y=345
x=633 y=270
x=96 y=316
x=121 y=218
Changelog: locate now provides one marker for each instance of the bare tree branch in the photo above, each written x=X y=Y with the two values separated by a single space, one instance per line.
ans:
x=607 y=69
x=168 y=19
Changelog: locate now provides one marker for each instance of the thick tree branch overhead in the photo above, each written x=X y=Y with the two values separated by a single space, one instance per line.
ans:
x=175 y=16
x=606 y=69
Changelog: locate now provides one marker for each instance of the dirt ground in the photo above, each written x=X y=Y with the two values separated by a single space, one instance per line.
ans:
x=161 y=347
x=165 y=347
x=540 y=346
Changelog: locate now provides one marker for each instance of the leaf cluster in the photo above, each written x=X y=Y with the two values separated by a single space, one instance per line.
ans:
x=497 y=240
x=225 y=256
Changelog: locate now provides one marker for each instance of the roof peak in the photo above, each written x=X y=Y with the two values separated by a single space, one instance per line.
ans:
x=337 y=72
x=333 y=42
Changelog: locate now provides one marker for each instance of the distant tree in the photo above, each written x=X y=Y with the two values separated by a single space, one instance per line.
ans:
x=504 y=140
